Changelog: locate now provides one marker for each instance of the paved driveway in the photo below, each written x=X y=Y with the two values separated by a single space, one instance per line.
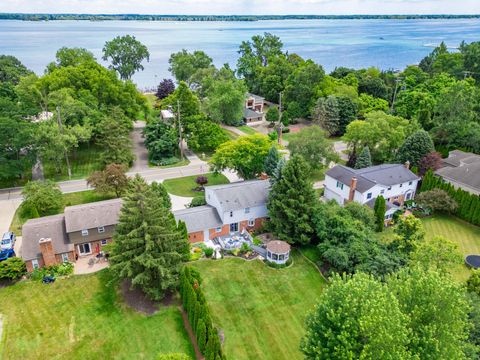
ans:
x=141 y=154
x=7 y=210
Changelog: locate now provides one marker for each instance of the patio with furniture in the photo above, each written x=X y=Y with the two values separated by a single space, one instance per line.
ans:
x=90 y=264
x=234 y=240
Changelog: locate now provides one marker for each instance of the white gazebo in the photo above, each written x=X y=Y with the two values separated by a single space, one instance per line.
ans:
x=278 y=252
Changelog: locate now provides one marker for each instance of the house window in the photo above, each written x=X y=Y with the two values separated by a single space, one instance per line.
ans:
x=251 y=222
x=35 y=264
x=401 y=185
x=410 y=182
x=382 y=191
x=84 y=232
x=103 y=242
x=247 y=210
x=65 y=257
x=369 y=195
x=101 y=229
x=218 y=229
x=389 y=188
x=339 y=185
x=231 y=213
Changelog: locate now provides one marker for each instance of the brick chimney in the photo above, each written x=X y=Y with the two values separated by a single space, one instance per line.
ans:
x=353 y=187
x=407 y=164
x=46 y=248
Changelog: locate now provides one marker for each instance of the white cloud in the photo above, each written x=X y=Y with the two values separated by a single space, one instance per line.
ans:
x=244 y=6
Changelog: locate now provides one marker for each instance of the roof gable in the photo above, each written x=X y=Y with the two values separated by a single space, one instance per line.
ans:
x=241 y=195
x=92 y=215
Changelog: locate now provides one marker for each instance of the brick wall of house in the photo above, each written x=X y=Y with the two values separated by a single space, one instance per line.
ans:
x=225 y=231
x=195 y=237
x=95 y=246
x=30 y=266
x=71 y=257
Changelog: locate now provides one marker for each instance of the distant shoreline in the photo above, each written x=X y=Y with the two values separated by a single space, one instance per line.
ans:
x=141 y=17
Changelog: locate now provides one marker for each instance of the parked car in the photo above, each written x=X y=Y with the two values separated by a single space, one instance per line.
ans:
x=5 y=254
x=8 y=241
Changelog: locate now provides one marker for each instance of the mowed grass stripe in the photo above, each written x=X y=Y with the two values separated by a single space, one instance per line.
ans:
x=465 y=235
x=82 y=318
x=260 y=309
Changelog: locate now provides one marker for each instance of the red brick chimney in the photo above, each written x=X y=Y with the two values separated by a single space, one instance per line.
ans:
x=407 y=164
x=46 y=248
x=353 y=187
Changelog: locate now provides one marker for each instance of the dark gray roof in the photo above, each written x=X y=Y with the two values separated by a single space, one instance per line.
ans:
x=459 y=158
x=468 y=174
x=199 y=218
x=52 y=227
x=250 y=114
x=371 y=204
x=241 y=195
x=386 y=175
x=93 y=215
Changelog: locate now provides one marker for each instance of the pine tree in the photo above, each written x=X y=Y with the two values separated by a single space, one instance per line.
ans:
x=278 y=171
x=162 y=192
x=147 y=249
x=364 y=159
x=182 y=228
x=379 y=210
x=291 y=203
x=327 y=114
x=271 y=161
x=201 y=335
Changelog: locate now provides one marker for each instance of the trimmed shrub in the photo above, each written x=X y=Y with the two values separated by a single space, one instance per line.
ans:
x=64 y=269
x=208 y=252
x=12 y=268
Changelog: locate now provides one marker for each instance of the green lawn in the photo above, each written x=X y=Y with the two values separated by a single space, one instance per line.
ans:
x=83 y=163
x=184 y=186
x=247 y=129
x=82 y=318
x=231 y=135
x=465 y=235
x=260 y=309
x=76 y=198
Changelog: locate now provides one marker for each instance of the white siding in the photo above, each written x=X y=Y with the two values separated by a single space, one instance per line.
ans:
x=212 y=200
x=334 y=191
x=240 y=215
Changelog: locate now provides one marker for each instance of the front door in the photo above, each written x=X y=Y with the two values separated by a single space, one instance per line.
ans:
x=84 y=249
x=233 y=227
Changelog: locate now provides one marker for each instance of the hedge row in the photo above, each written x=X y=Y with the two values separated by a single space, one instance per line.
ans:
x=198 y=313
x=468 y=204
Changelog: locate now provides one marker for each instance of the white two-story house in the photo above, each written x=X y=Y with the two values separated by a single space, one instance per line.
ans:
x=395 y=182
x=230 y=208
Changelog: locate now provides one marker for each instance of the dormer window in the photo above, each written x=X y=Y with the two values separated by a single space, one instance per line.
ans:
x=231 y=213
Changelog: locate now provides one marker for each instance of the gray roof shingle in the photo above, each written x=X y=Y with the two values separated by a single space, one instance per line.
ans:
x=199 y=218
x=45 y=227
x=466 y=174
x=241 y=195
x=250 y=114
x=386 y=174
x=93 y=215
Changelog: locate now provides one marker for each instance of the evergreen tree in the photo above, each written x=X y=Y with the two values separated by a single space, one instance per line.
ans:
x=147 y=249
x=379 y=210
x=162 y=192
x=291 y=203
x=271 y=161
x=415 y=147
x=327 y=114
x=364 y=159
x=201 y=335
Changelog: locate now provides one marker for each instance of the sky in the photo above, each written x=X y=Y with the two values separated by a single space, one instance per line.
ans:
x=243 y=7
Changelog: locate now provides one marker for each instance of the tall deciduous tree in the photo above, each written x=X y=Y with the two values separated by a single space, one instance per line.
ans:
x=245 y=155
x=148 y=249
x=356 y=318
x=126 y=55
x=379 y=210
x=438 y=253
x=185 y=98
x=409 y=232
x=165 y=88
x=415 y=147
x=183 y=65
x=112 y=179
x=364 y=159
x=225 y=101
x=312 y=144
x=432 y=161
x=291 y=202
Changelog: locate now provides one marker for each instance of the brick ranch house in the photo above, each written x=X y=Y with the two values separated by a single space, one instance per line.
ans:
x=84 y=229
x=395 y=182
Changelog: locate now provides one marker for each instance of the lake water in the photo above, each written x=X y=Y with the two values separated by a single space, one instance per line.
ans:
x=387 y=44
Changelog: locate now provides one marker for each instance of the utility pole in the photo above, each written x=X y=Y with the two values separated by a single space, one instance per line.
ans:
x=280 y=124
x=179 y=129
x=59 y=119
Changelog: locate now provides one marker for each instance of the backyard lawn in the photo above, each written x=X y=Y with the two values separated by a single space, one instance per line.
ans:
x=261 y=310
x=247 y=129
x=465 y=235
x=76 y=198
x=185 y=186
x=81 y=318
